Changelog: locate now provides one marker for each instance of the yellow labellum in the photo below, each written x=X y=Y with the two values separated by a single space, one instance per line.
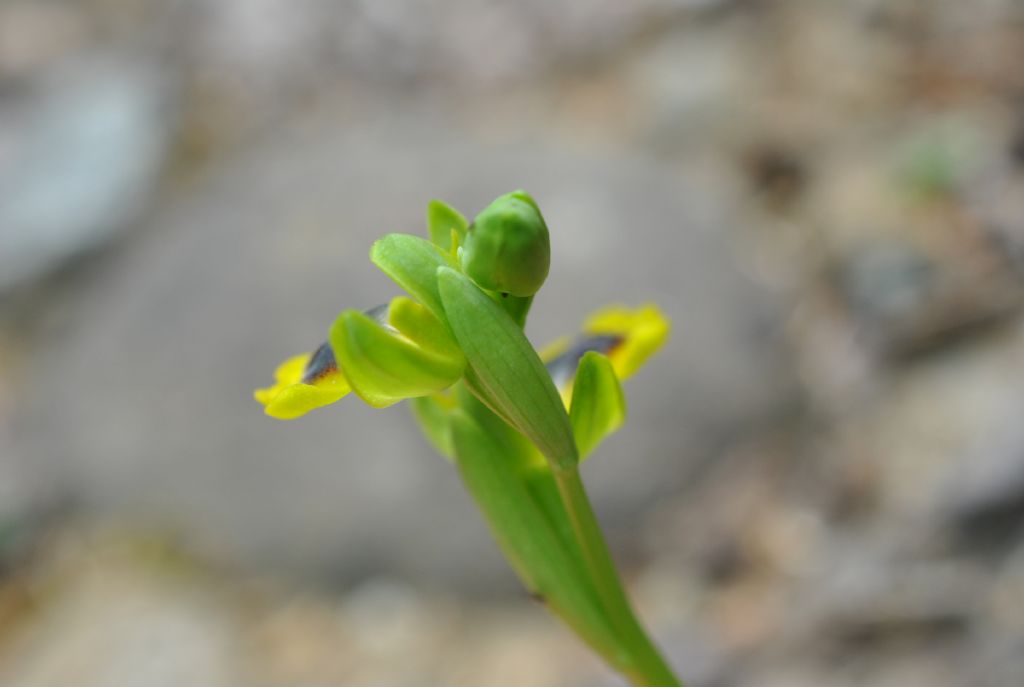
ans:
x=297 y=389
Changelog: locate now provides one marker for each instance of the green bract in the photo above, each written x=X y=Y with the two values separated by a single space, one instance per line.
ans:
x=514 y=422
x=442 y=220
x=504 y=370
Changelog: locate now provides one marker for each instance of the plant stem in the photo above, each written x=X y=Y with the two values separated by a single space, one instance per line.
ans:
x=648 y=668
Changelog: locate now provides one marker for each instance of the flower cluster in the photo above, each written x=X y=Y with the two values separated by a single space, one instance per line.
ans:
x=628 y=337
x=410 y=349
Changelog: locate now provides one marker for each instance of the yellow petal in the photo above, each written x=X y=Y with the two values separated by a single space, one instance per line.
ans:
x=644 y=330
x=298 y=399
x=555 y=349
x=290 y=397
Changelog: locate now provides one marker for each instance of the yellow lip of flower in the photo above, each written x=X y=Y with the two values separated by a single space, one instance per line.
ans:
x=643 y=330
x=303 y=383
x=628 y=336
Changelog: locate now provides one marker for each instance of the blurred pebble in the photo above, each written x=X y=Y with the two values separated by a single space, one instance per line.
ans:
x=986 y=487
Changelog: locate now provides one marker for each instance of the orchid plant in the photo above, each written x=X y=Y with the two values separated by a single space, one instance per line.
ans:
x=515 y=423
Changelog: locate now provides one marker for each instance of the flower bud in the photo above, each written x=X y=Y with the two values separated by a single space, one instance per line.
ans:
x=507 y=248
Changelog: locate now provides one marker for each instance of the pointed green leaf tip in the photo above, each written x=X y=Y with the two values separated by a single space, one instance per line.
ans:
x=507 y=248
x=504 y=370
x=385 y=367
x=442 y=219
x=598 y=404
x=412 y=263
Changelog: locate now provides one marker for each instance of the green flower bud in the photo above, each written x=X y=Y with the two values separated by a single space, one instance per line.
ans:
x=507 y=247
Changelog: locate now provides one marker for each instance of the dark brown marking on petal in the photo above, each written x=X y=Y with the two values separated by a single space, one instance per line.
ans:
x=563 y=367
x=320 y=364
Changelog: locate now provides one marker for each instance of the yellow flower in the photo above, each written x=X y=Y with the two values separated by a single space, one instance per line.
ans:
x=384 y=355
x=302 y=383
x=626 y=336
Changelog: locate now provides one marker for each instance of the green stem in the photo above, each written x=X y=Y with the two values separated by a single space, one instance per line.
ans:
x=643 y=665
x=518 y=307
x=648 y=668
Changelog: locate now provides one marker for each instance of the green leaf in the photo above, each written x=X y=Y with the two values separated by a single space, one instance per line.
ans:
x=504 y=369
x=598 y=405
x=526 y=537
x=384 y=368
x=412 y=263
x=442 y=218
x=433 y=414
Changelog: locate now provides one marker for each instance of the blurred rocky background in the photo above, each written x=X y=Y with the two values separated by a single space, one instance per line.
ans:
x=822 y=479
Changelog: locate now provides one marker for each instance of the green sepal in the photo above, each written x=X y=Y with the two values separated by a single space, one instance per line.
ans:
x=418 y=324
x=433 y=414
x=412 y=263
x=598 y=405
x=384 y=367
x=504 y=370
x=525 y=535
x=442 y=220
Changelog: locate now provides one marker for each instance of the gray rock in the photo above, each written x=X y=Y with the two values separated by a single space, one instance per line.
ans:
x=82 y=150
x=143 y=407
x=985 y=497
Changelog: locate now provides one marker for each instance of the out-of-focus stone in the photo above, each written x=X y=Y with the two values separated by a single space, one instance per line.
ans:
x=81 y=152
x=164 y=348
